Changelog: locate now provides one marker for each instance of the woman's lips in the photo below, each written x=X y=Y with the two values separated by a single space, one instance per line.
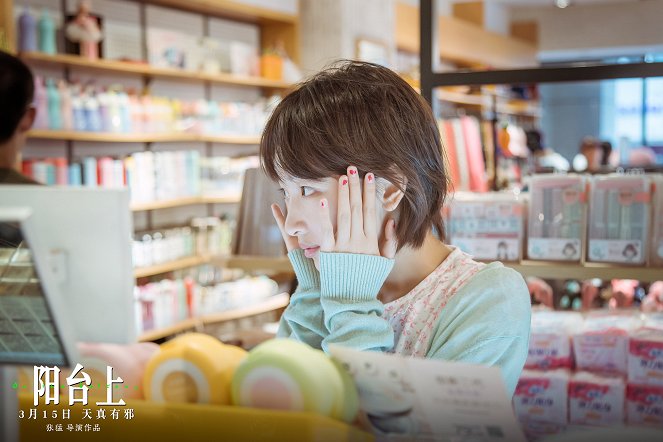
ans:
x=311 y=251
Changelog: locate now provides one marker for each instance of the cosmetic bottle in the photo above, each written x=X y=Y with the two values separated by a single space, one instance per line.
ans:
x=27 y=29
x=54 y=105
x=46 y=33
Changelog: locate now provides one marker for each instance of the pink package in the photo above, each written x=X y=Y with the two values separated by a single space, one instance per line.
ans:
x=645 y=357
x=550 y=339
x=653 y=302
x=541 y=396
x=602 y=345
x=644 y=405
x=596 y=400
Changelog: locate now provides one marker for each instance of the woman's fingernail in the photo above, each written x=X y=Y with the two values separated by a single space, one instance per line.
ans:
x=370 y=177
x=345 y=182
x=352 y=170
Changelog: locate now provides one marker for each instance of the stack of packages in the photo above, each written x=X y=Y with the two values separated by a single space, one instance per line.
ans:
x=603 y=369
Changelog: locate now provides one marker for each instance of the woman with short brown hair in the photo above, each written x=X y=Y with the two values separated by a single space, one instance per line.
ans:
x=358 y=155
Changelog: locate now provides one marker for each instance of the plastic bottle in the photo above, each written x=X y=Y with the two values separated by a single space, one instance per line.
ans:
x=125 y=112
x=61 y=171
x=92 y=115
x=75 y=176
x=27 y=28
x=46 y=33
x=41 y=103
x=136 y=109
x=78 y=112
x=54 y=105
x=65 y=106
x=114 y=118
x=104 y=111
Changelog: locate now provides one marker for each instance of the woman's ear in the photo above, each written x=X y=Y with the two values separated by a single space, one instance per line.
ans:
x=390 y=194
x=25 y=124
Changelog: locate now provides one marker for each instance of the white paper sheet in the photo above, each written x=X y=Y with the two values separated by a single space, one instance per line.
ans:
x=430 y=400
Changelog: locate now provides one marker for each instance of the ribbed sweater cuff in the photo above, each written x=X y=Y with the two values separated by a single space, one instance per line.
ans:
x=305 y=271
x=352 y=276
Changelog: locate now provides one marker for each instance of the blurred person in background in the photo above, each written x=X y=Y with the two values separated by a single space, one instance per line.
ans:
x=16 y=116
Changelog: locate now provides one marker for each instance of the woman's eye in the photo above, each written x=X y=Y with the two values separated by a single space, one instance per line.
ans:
x=307 y=191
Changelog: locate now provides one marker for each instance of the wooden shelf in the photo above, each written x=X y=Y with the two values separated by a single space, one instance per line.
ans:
x=107 y=137
x=230 y=139
x=519 y=107
x=561 y=270
x=462 y=98
x=170 y=266
x=180 y=202
x=279 y=264
x=166 y=204
x=484 y=100
x=463 y=42
x=146 y=70
x=231 y=9
x=182 y=326
x=221 y=199
x=270 y=304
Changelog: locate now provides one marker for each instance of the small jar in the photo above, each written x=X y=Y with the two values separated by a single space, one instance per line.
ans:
x=214 y=236
x=158 y=248
x=148 y=250
x=199 y=226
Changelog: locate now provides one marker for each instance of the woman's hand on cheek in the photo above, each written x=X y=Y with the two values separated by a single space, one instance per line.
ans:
x=291 y=242
x=356 y=223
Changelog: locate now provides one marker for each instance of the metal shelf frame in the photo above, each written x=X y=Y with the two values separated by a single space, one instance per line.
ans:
x=431 y=79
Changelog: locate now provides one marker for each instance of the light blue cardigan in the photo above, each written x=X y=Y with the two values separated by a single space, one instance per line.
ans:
x=486 y=322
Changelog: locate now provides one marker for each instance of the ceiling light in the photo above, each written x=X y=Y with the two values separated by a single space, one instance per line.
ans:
x=562 y=3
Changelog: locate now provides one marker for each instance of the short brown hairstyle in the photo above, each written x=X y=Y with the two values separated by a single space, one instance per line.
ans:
x=362 y=114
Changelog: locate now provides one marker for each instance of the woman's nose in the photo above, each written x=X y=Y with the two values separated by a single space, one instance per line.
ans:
x=295 y=223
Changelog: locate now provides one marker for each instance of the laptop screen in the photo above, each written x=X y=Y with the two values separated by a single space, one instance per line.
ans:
x=28 y=334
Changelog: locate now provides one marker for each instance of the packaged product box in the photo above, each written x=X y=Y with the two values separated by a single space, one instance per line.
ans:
x=550 y=339
x=645 y=357
x=596 y=400
x=602 y=344
x=656 y=251
x=653 y=320
x=541 y=396
x=487 y=226
x=619 y=212
x=644 y=405
x=557 y=213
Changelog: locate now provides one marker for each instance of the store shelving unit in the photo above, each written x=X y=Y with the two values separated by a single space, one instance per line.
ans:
x=272 y=303
x=432 y=39
x=469 y=46
x=274 y=26
x=432 y=35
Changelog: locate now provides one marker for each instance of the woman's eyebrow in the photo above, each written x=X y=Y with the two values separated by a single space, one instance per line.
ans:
x=307 y=181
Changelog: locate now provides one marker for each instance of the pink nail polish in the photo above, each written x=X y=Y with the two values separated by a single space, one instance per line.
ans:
x=322 y=203
x=370 y=177
x=352 y=171
x=345 y=182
